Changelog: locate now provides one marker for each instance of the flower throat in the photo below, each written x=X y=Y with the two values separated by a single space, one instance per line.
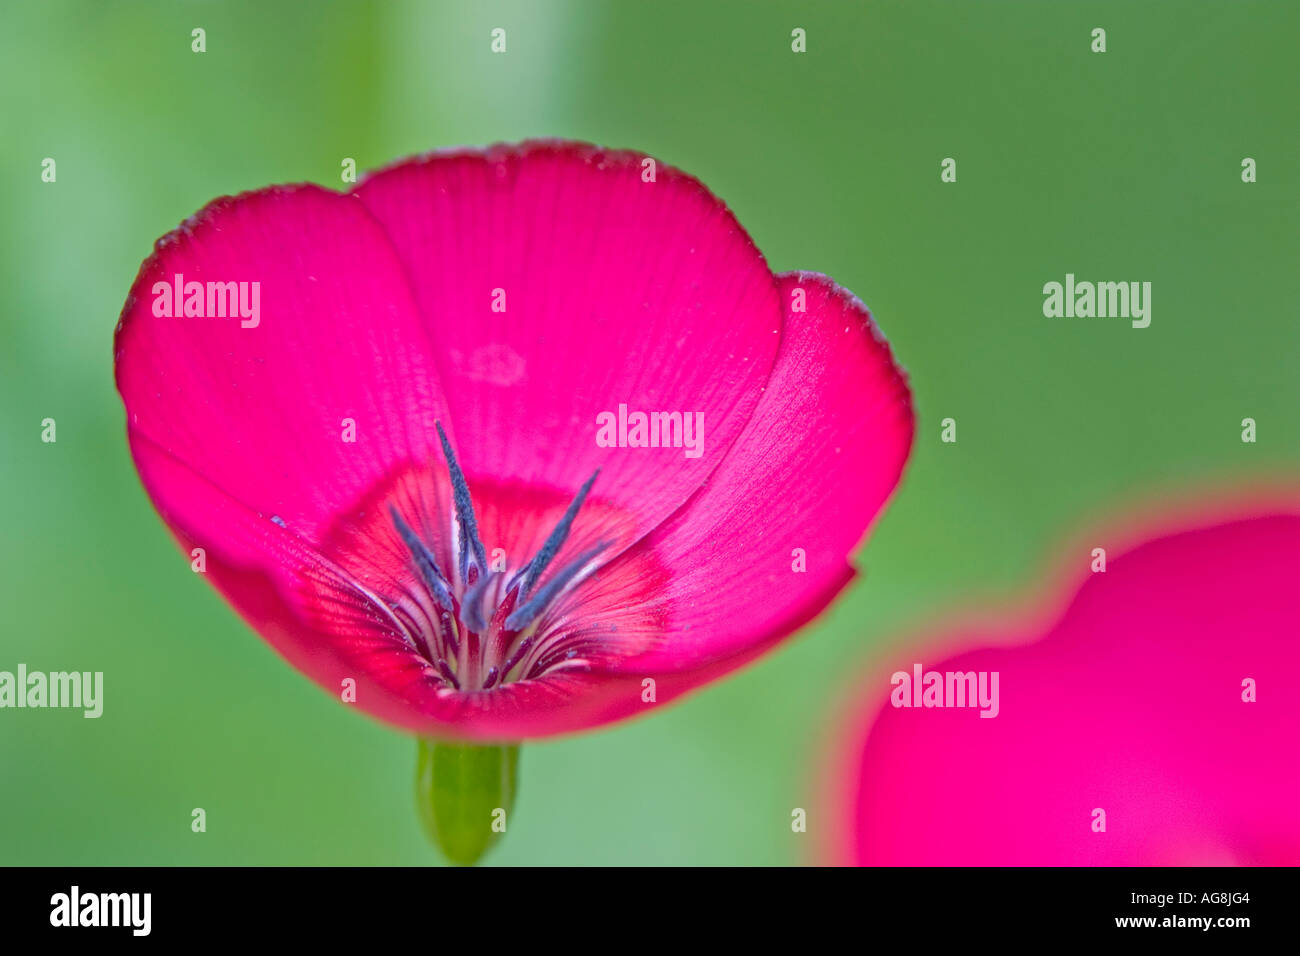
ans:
x=486 y=631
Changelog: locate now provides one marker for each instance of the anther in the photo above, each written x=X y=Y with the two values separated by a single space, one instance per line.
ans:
x=464 y=510
x=531 y=609
x=556 y=538
x=424 y=560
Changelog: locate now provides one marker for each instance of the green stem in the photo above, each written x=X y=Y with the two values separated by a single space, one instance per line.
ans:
x=465 y=794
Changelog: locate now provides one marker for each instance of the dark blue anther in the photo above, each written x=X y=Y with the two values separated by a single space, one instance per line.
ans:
x=424 y=561
x=522 y=616
x=464 y=511
x=556 y=539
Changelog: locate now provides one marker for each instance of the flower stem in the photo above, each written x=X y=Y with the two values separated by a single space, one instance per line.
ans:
x=465 y=794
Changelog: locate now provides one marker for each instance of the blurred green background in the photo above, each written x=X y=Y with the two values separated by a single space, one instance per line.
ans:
x=1124 y=165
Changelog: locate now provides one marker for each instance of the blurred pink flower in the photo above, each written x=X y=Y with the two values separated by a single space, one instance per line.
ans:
x=511 y=577
x=1135 y=702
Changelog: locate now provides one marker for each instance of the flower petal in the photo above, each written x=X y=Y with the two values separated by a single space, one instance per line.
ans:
x=816 y=463
x=260 y=411
x=559 y=285
x=1131 y=703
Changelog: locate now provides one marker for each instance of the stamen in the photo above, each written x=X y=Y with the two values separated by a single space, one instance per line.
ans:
x=556 y=538
x=477 y=619
x=424 y=560
x=471 y=608
x=449 y=632
x=525 y=615
x=517 y=656
x=445 y=669
x=464 y=510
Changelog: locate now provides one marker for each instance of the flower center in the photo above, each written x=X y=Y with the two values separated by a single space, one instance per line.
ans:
x=479 y=623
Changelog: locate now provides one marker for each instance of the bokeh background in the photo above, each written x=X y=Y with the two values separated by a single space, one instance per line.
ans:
x=1123 y=166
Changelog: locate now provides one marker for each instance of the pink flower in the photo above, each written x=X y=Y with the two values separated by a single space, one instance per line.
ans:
x=1154 y=721
x=402 y=425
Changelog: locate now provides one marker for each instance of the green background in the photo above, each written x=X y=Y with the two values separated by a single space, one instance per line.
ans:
x=1118 y=166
